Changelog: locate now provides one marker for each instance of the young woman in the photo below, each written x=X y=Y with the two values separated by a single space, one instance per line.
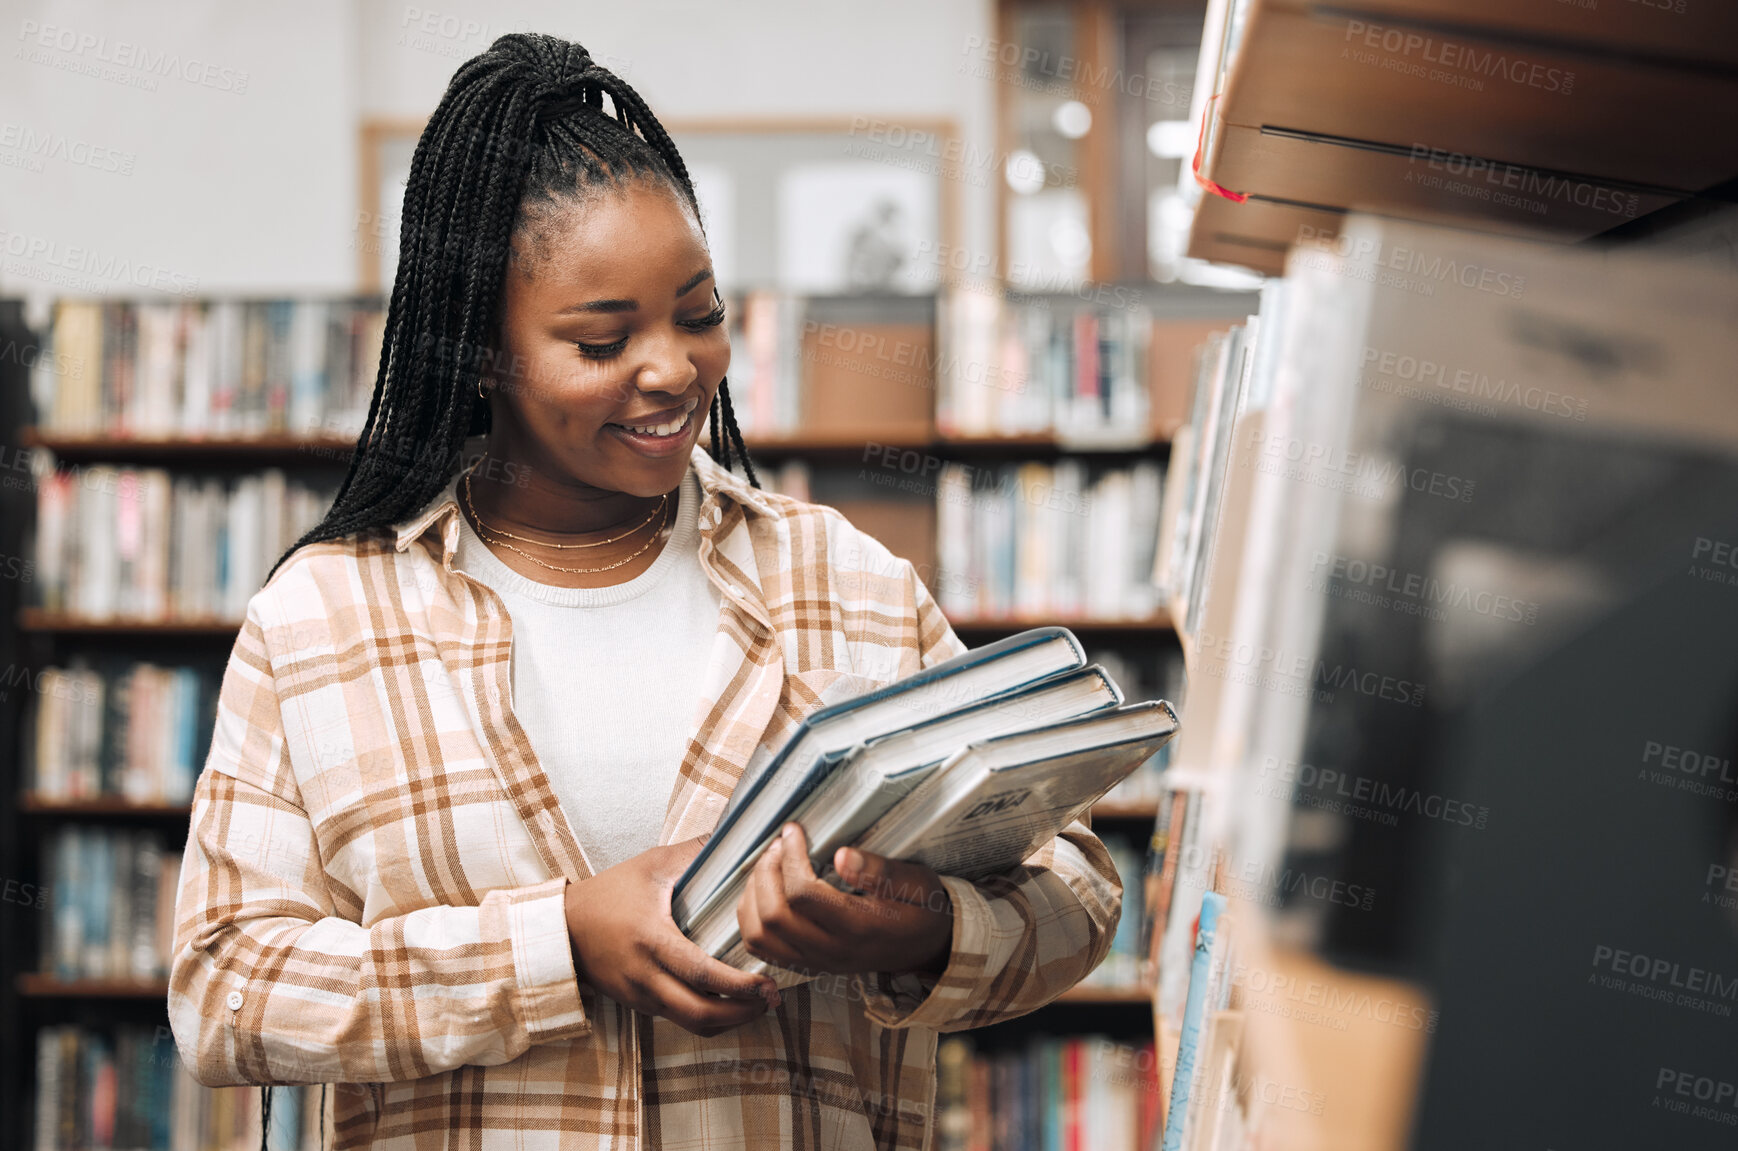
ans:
x=480 y=718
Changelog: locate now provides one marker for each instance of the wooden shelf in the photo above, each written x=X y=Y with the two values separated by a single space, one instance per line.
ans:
x=32 y=619
x=1125 y=811
x=1107 y=995
x=1007 y=625
x=100 y=805
x=38 y=986
x=314 y=451
x=869 y=449
x=1321 y=114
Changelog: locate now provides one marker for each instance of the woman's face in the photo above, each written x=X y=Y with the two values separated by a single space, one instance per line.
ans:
x=611 y=349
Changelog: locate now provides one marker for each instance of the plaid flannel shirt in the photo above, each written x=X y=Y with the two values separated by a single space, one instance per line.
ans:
x=371 y=893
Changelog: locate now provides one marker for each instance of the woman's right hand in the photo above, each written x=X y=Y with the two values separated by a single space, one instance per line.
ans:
x=627 y=946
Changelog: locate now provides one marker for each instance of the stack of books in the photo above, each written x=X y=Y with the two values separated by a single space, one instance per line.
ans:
x=968 y=767
x=224 y=368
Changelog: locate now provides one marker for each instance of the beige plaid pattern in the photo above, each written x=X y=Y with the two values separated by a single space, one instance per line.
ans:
x=372 y=890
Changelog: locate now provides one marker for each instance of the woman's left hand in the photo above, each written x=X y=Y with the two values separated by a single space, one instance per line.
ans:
x=902 y=920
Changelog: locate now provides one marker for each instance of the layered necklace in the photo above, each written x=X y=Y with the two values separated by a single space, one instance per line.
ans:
x=499 y=535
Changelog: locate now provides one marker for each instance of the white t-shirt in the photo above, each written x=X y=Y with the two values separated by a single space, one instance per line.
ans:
x=606 y=681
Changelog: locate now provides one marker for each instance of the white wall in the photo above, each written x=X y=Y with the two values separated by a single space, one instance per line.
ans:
x=210 y=152
x=708 y=59
x=247 y=182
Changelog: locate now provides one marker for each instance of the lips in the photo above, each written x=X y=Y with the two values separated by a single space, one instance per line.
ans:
x=668 y=422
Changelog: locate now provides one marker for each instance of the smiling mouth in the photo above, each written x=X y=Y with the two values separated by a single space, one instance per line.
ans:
x=663 y=427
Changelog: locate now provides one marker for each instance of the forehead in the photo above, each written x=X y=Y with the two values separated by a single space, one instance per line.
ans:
x=611 y=242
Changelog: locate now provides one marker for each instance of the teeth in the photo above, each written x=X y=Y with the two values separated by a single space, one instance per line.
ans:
x=666 y=429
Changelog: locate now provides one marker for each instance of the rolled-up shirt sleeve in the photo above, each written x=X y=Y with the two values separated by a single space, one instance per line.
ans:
x=1020 y=938
x=269 y=983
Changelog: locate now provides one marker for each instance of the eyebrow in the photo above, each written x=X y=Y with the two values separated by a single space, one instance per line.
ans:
x=689 y=285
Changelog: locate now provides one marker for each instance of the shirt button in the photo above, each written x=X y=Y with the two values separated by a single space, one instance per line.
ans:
x=234 y=1001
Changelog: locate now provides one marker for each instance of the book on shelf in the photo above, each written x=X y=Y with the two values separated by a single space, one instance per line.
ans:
x=1197 y=473
x=111 y=896
x=1189 y=869
x=1125 y=967
x=1042 y=366
x=1064 y=540
x=1209 y=992
x=221 y=368
x=142 y=543
x=967 y=766
x=125 y=1087
x=1155 y=674
x=106 y=726
x=817 y=366
x=1084 y=1091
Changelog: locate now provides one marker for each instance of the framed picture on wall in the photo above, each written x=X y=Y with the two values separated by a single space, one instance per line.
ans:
x=847 y=206
x=386 y=149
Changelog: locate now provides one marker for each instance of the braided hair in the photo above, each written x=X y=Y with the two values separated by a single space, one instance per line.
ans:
x=521 y=133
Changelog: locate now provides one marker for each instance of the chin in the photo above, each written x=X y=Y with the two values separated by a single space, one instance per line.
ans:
x=639 y=476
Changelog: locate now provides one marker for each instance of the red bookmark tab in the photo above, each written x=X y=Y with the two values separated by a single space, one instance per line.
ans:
x=1195 y=165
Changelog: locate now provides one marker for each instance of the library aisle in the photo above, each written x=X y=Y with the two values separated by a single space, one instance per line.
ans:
x=1359 y=379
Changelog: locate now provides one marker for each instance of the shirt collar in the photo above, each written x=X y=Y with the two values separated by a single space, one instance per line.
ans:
x=717 y=485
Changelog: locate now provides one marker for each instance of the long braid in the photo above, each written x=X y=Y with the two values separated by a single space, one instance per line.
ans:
x=520 y=132
x=735 y=434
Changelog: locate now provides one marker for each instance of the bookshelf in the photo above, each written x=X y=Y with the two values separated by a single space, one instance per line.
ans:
x=1311 y=156
x=76 y=1012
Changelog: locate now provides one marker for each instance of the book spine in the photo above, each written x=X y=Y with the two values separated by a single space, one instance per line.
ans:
x=48 y=1089
x=1194 y=1012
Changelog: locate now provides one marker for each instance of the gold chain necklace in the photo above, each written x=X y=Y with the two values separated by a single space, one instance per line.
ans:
x=470 y=503
x=488 y=534
x=560 y=568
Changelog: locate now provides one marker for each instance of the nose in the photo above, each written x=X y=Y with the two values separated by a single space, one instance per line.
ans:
x=667 y=366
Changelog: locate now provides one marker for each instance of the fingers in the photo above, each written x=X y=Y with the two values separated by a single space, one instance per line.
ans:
x=700 y=1014
x=794 y=853
x=783 y=935
x=678 y=955
x=757 y=940
x=884 y=878
x=808 y=895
